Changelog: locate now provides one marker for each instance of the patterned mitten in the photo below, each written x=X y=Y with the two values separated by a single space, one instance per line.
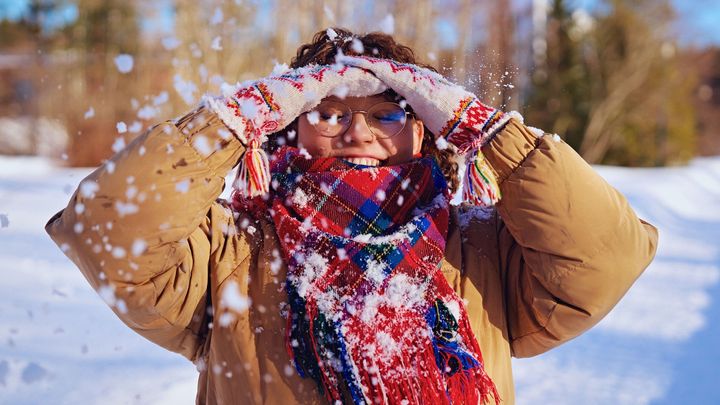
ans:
x=252 y=110
x=450 y=112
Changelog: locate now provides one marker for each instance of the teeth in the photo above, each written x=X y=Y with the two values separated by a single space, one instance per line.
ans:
x=363 y=161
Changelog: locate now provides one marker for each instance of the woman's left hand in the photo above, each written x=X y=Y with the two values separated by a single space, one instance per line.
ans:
x=447 y=109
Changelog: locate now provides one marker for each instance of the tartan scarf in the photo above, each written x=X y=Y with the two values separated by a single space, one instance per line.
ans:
x=371 y=317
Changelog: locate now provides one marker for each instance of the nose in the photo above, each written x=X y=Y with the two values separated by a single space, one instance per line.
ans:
x=359 y=131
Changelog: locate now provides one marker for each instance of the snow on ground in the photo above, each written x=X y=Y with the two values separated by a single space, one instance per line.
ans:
x=60 y=344
x=659 y=345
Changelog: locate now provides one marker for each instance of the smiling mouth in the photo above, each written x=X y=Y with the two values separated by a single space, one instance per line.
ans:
x=365 y=161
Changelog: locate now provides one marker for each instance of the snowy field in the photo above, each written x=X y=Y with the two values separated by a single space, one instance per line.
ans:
x=60 y=344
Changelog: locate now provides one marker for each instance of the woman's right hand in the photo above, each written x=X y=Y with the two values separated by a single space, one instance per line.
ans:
x=255 y=109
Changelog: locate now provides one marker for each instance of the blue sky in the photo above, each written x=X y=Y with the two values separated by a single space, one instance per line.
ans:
x=16 y=9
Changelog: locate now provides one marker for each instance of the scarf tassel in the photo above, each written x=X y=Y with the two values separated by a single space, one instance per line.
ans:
x=317 y=339
x=428 y=388
x=310 y=337
x=467 y=382
x=480 y=187
x=310 y=358
x=253 y=177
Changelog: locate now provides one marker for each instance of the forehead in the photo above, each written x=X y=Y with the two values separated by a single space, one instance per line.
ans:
x=359 y=103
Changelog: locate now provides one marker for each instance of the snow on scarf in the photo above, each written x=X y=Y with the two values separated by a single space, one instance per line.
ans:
x=372 y=319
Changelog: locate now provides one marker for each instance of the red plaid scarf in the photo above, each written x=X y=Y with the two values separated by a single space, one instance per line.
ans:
x=372 y=319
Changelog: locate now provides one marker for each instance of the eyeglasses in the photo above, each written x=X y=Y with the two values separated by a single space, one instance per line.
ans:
x=332 y=119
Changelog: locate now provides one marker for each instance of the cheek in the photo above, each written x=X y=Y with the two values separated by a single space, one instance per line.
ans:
x=405 y=142
x=392 y=148
x=316 y=146
x=400 y=148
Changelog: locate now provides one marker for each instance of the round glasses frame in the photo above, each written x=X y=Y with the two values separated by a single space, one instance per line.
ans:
x=379 y=134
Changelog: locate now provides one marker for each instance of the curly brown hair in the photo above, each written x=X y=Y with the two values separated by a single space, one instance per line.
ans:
x=322 y=51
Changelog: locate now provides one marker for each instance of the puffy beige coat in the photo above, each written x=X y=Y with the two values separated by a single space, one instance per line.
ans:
x=557 y=253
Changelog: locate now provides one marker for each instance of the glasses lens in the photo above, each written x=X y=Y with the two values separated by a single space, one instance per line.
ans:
x=330 y=118
x=386 y=119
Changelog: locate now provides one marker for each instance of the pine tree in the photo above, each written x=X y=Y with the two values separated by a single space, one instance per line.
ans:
x=559 y=97
x=611 y=85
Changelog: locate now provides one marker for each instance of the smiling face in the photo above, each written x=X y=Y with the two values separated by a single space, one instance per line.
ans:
x=359 y=144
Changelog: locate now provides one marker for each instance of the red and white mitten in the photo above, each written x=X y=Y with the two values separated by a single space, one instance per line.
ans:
x=254 y=109
x=451 y=113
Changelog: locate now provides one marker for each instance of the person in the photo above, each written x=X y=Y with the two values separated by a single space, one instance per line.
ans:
x=339 y=272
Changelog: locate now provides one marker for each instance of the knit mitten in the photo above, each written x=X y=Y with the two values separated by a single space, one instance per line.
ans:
x=451 y=113
x=254 y=109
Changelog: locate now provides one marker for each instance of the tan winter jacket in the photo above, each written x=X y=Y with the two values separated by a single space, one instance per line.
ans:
x=559 y=251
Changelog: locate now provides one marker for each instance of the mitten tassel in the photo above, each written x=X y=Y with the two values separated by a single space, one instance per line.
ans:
x=480 y=187
x=253 y=178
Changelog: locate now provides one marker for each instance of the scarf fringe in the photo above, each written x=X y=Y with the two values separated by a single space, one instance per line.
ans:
x=435 y=381
x=428 y=388
x=480 y=186
x=253 y=176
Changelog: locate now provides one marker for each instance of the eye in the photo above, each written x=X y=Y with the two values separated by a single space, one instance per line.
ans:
x=389 y=116
x=333 y=120
x=326 y=115
x=331 y=114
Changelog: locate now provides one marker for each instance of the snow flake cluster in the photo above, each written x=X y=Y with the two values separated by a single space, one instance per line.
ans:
x=233 y=302
x=124 y=63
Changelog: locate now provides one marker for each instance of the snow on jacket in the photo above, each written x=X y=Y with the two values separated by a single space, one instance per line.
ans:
x=555 y=255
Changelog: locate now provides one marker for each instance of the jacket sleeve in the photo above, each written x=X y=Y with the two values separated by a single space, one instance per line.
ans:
x=144 y=226
x=570 y=245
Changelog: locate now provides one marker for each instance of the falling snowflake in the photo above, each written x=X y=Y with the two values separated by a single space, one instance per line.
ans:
x=202 y=145
x=161 y=98
x=183 y=186
x=139 y=247
x=135 y=127
x=387 y=25
x=119 y=144
x=147 y=112
x=331 y=34
x=329 y=13
x=217 y=17
x=441 y=143
x=88 y=188
x=186 y=89
x=313 y=117
x=124 y=209
x=118 y=252
x=170 y=43
x=216 y=45
x=124 y=63
x=341 y=92
x=357 y=46
x=233 y=299
x=89 y=113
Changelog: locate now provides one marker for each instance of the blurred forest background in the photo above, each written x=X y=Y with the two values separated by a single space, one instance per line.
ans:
x=80 y=78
